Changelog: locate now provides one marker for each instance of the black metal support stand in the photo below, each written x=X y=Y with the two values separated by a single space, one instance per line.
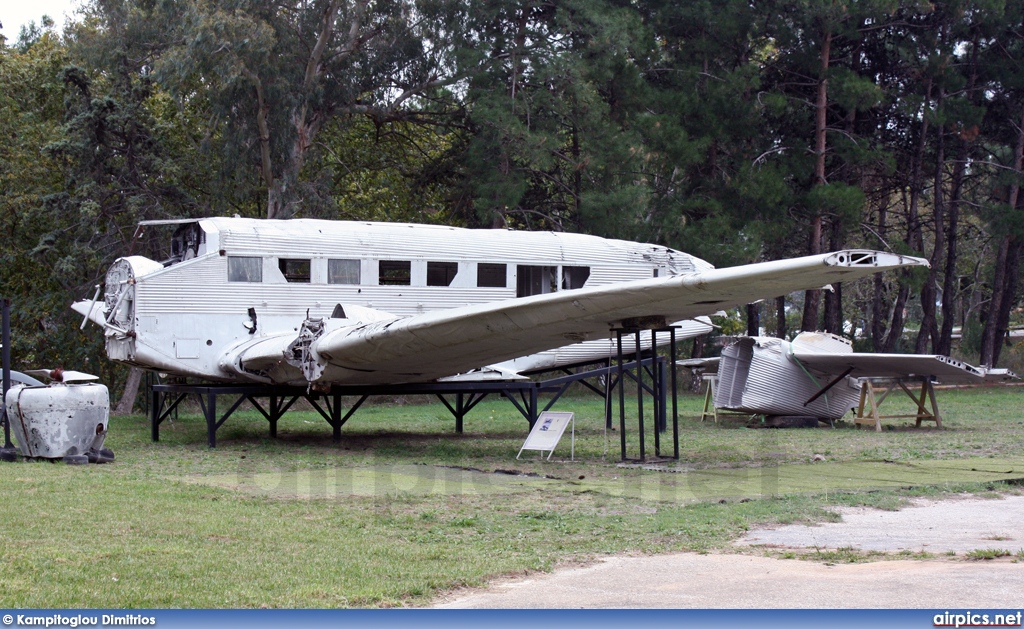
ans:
x=654 y=368
x=458 y=397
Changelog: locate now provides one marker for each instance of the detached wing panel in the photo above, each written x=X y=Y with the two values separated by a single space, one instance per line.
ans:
x=441 y=343
x=942 y=368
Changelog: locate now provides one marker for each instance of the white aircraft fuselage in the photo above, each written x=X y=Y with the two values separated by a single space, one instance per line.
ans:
x=233 y=281
x=321 y=302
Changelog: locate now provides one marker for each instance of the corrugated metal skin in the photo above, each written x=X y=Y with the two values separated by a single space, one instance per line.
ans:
x=601 y=348
x=306 y=237
x=776 y=382
x=772 y=383
x=209 y=292
x=775 y=377
x=733 y=370
x=216 y=311
x=610 y=274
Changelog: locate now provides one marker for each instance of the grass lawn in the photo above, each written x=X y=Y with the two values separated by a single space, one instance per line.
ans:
x=403 y=508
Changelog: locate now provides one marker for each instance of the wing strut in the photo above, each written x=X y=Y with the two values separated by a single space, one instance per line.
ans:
x=828 y=386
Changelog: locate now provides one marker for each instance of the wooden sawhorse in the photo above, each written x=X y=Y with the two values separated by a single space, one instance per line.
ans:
x=870 y=403
x=710 y=410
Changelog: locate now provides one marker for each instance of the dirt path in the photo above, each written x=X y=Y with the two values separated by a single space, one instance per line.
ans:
x=689 y=580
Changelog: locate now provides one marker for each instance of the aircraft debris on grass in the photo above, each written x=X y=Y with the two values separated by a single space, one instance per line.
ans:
x=818 y=375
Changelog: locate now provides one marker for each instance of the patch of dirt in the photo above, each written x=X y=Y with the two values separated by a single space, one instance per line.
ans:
x=839 y=575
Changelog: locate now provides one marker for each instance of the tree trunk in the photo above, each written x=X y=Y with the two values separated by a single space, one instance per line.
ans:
x=1009 y=297
x=834 y=309
x=754 y=319
x=812 y=298
x=990 y=332
x=914 y=237
x=989 y=336
x=878 y=313
x=281 y=194
x=878 y=318
x=892 y=339
x=950 y=284
x=834 y=298
x=929 y=332
x=131 y=391
x=780 y=316
x=695 y=375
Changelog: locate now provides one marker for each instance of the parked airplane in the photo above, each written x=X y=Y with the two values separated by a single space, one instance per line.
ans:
x=317 y=302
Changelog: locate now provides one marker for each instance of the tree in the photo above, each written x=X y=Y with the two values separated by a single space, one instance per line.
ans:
x=824 y=78
x=40 y=270
x=403 y=171
x=551 y=137
x=1005 y=209
x=276 y=72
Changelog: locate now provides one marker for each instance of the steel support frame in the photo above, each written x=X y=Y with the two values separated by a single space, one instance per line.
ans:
x=655 y=368
x=165 y=399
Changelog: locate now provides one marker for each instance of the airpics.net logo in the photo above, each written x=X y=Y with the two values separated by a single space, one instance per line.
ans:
x=971 y=619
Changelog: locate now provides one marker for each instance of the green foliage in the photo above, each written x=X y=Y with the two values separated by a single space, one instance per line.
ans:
x=731 y=325
x=271 y=79
x=398 y=172
x=692 y=125
x=548 y=147
x=838 y=199
x=39 y=268
x=987 y=554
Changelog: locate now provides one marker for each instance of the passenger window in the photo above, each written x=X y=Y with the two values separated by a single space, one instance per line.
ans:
x=394 y=273
x=343 y=271
x=294 y=270
x=245 y=269
x=441 y=273
x=574 y=276
x=491 y=275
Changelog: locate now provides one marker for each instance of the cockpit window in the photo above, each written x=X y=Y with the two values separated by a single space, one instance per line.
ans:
x=185 y=243
x=245 y=269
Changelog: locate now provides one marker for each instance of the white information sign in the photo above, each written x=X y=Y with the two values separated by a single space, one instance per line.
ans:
x=548 y=431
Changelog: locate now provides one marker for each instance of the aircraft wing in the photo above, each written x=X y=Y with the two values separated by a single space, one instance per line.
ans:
x=700 y=363
x=942 y=368
x=441 y=343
